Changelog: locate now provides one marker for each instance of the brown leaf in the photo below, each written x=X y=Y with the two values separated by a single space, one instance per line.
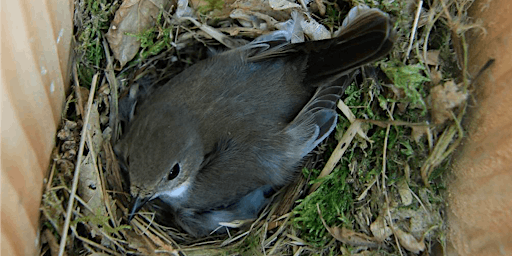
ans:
x=435 y=76
x=52 y=242
x=90 y=188
x=432 y=57
x=348 y=236
x=140 y=243
x=409 y=242
x=321 y=7
x=418 y=131
x=133 y=16
x=84 y=94
x=405 y=192
x=261 y=7
x=282 y=5
x=352 y=238
x=444 y=99
x=380 y=230
x=315 y=30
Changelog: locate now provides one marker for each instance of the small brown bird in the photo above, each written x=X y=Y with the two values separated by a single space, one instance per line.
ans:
x=218 y=138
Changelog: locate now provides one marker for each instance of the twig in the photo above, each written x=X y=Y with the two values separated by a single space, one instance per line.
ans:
x=278 y=232
x=221 y=38
x=384 y=158
x=421 y=203
x=414 y=28
x=365 y=192
x=77 y=167
x=384 y=124
x=338 y=152
x=391 y=224
x=80 y=109
x=114 y=106
x=87 y=241
x=440 y=152
x=433 y=17
x=352 y=118
x=112 y=239
x=50 y=178
x=275 y=247
x=384 y=189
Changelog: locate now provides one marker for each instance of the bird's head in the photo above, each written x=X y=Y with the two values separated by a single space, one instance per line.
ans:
x=162 y=151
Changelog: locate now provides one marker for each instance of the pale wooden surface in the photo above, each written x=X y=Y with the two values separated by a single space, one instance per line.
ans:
x=35 y=50
x=480 y=198
x=35 y=42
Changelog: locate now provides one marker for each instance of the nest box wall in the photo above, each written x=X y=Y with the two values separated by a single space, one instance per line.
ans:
x=35 y=39
x=480 y=196
x=34 y=71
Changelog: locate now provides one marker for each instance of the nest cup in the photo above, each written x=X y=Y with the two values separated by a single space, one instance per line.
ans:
x=35 y=72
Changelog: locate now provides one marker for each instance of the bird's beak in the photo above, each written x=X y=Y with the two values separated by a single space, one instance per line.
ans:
x=137 y=204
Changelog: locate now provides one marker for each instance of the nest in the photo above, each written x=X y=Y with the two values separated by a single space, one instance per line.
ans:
x=375 y=186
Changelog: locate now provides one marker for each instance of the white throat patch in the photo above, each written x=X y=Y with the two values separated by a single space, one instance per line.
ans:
x=179 y=191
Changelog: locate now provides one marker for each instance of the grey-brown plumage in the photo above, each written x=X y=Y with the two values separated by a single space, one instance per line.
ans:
x=218 y=137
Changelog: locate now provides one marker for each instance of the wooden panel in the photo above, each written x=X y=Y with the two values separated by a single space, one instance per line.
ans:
x=480 y=198
x=35 y=49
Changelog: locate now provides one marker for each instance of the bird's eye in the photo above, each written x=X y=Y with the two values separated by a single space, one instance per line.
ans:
x=173 y=173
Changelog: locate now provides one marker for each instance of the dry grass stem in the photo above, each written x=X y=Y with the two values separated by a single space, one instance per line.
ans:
x=77 y=169
x=414 y=28
x=340 y=149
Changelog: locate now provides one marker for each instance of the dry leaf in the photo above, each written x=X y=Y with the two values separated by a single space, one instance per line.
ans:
x=315 y=30
x=432 y=57
x=435 y=76
x=133 y=17
x=409 y=242
x=69 y=131
x=282 y=4
x=405 y=192
x=352 y=238
x=261 y=7
x=348 y=236
x=253 y=19
x=380 y=230
x=52 y=242
x=416 y=222
x=84 y=94
x=90 y=188
x=137 y=242
x=418 y=131
x=402 y=107
x=217 y=12
x=407 y=172
x=399 y=92
x=444 y=99
x=321 y=7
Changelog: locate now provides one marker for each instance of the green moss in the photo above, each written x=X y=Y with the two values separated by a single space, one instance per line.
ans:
x=102 y=221
x=410 y=79
x=334 y=199
x=211 y=5
x=94 y=20
x=153 y=40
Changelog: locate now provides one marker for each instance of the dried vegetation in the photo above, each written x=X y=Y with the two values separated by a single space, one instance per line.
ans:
x=375 y=187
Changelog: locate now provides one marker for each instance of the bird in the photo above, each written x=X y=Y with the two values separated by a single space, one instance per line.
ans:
x=213 y=142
